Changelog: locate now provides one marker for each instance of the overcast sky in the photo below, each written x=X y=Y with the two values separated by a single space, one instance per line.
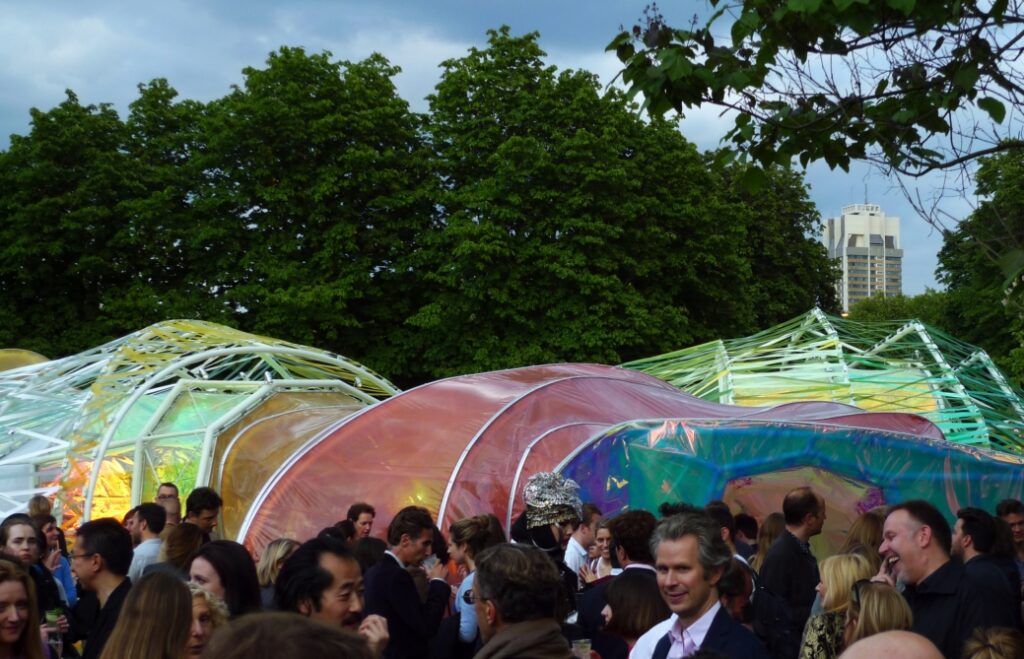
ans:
x=103 y=49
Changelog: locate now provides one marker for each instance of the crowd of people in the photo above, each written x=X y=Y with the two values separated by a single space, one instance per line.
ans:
x=564 y=581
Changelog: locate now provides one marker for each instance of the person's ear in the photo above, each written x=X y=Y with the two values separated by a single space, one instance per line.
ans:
x=924 y=536
x=305 y=607
x=716 y=575
x=490 y=612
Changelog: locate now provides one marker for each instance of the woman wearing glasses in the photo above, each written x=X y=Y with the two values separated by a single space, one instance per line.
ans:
x=823 y=635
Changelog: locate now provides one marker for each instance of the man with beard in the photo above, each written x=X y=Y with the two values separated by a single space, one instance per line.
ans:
x=323 y=582
x=947 y=607
x=149 y=522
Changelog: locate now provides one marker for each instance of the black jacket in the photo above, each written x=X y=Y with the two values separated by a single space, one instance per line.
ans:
x=947 y=608
x=391 y=593
x=99 y=627
x=791 y=572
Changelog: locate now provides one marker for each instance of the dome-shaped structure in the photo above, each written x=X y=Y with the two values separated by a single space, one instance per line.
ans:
x=903 y=366
x=106 y=426
x=465 y=445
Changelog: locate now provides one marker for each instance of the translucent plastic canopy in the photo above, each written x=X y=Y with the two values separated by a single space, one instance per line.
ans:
x=104 y=427
x=466 y=445
x=903 y=366
x=752 y=464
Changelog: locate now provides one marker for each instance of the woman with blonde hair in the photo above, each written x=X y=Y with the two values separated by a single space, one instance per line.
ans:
x=269 y=566
x=19 y=615
x=154 y=622
x=209 y=613
x=875 y=608
x=994 y=643
x=771 y=529
x=823 y=634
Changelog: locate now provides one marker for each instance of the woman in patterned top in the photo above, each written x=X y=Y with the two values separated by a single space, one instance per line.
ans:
x=823 y=635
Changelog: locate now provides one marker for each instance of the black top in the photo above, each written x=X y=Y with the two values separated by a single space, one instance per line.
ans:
x=592 y=602
x=948 y=607
x=391 y=593
x=985 y=574
x=791 y=572
x=100 y=627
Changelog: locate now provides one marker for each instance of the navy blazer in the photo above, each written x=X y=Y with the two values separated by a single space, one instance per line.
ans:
x=725 y=636
x=391 y=593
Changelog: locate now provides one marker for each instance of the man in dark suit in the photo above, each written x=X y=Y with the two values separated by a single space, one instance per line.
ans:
x=631 y=545
x=690 y=559
x=391 y=591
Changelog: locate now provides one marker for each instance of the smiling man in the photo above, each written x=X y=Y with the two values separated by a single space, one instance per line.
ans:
x=947 y=607
x=323 y=582
x=690 y=558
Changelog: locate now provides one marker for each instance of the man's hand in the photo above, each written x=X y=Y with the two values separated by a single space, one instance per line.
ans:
x=437 y=571
x=374 y=629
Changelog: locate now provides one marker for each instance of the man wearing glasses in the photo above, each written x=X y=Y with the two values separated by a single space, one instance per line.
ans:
x=100 y=559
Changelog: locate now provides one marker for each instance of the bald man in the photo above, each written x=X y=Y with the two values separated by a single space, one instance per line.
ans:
x=905 y=645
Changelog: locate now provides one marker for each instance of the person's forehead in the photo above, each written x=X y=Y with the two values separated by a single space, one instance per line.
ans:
x=365 y=517
x=345 y=571
x=21 y=531
x=680 y=550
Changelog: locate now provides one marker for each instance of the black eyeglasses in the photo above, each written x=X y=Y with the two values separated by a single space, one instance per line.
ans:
x=858 y=586
x=86 y=555
x=469 y=597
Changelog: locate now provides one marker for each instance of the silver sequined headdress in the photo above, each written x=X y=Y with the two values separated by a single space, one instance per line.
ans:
x=550 y=498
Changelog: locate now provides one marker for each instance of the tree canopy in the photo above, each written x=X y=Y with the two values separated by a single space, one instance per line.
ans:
x=915 y=86
x=528 y=217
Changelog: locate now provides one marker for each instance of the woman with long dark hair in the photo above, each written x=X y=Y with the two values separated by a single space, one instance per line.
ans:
x=226 y=569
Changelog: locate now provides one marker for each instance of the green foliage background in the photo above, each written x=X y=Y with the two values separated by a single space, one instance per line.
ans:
x=530 y=216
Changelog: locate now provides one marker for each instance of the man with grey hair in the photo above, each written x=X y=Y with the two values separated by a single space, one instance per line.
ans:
x=516 y=595
x=690 y=558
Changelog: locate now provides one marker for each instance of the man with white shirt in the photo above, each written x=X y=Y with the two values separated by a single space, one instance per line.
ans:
x=576 y=551
x=690 y=558
x=149 y=522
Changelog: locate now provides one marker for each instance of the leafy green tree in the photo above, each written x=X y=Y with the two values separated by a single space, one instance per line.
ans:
x=60 y=188
x=929 y=307
x=318 y=167
x=573 y=230
x=790 y=269
x=979 y=310
x=165 y=247
x=892 y=81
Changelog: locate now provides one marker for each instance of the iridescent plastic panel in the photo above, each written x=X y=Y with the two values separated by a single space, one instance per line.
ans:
x=642 y=464
x=465 y=445
x=248 y=452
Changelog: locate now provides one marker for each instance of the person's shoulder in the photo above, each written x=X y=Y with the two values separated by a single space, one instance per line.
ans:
x=644 y=647
x=729 y=636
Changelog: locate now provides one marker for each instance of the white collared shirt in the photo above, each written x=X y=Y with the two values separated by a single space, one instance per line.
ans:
x=397 y=559
x=575 y=556
x=697 y=632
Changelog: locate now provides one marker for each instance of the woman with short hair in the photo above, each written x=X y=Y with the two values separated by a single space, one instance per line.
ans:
x=634 y=606
x=209 y=614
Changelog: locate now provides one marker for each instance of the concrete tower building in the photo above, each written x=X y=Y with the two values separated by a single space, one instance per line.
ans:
x=867 y=242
